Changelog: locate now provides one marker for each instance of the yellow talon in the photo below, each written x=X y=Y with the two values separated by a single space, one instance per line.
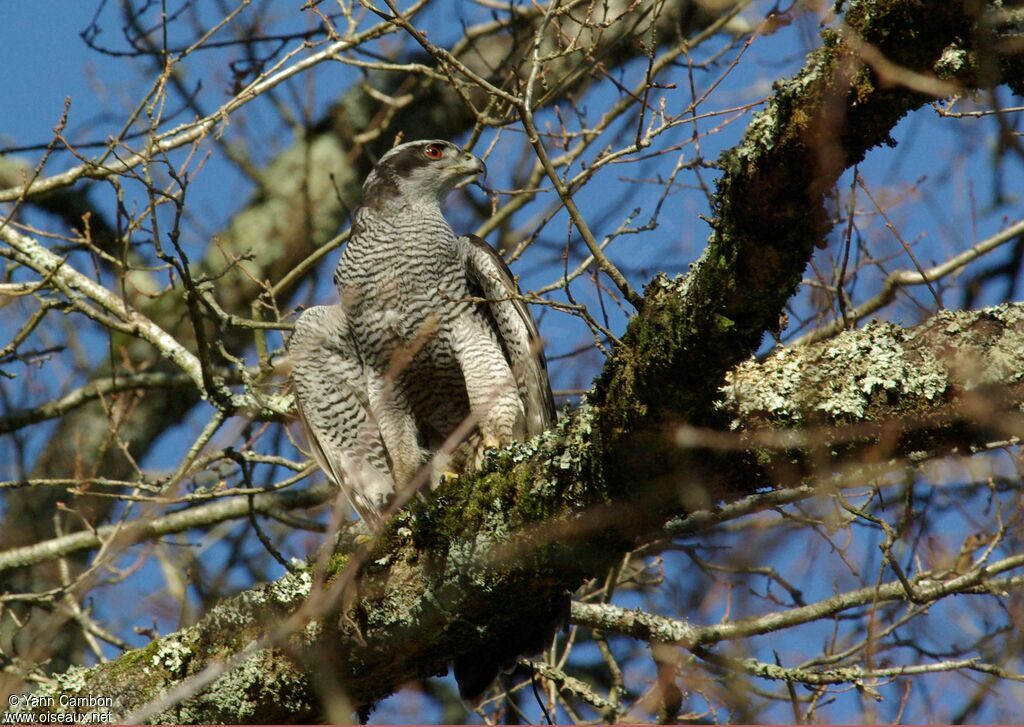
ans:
x=361 y=539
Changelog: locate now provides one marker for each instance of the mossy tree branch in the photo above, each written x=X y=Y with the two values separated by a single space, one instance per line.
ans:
x=485 y=565
x=770 y=213
x=494 y=554
x=303 y=199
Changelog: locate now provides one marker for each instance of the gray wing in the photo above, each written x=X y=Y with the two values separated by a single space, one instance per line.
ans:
x=515 y=328
x=330 y=392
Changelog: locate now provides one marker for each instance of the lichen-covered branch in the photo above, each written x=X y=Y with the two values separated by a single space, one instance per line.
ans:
x=434 y=594
x=770 y=213
x=956 y=380
x=302 y=201
x=491 y=553
x=480 y=573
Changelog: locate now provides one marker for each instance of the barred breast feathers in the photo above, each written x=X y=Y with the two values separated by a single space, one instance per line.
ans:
x=405 y=273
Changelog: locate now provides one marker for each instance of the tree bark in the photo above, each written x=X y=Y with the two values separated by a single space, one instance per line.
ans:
x=486 y=564
x=303 y=200
x=537 y=527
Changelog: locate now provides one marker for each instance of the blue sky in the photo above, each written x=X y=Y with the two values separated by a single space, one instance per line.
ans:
x=938 y=183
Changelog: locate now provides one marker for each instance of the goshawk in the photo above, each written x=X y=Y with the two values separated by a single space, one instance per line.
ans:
x=431 y=356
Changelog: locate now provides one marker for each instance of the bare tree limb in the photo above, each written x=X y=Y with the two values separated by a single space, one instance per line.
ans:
x=480 y=573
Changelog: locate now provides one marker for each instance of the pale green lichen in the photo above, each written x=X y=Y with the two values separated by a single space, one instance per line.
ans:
x=236 y=613
x=881 y=365
x=777 y=395
x=68 y=693
x=990 y=348
x=953 y=62
x=245 y=694
x=292 y=588
x=838 y=382
x=872 y=362
x=74 y=679
x=312 y=631
x=172 y=655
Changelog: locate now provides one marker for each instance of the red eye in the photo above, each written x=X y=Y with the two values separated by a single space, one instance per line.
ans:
x=433 y=151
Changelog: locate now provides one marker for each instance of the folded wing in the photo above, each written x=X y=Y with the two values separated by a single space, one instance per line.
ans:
x=515 y=328
x=331 y=397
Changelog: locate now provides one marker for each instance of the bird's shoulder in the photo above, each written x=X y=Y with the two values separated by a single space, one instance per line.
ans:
x=480 y=254
x=487 y=269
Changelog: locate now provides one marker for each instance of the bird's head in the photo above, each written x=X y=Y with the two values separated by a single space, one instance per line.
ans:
x=419 y=171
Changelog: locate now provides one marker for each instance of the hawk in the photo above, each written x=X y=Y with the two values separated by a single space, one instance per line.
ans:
x=431 y=357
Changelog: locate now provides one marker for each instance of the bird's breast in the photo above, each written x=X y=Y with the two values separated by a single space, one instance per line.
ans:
x=393 y=310
x=402 y=288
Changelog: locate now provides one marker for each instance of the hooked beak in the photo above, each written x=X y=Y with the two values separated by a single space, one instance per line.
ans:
x=471 y=166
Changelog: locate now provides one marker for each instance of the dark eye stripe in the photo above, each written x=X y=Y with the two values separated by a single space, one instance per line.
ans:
x=405 y=162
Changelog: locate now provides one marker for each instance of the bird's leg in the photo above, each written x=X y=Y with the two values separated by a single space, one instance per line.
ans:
x=493 y=395
x=494 y=400
x=500 y=413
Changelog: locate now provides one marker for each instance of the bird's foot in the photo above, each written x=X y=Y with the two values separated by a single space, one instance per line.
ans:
x=362 y=533
x=361 y=539
x=449 y=476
